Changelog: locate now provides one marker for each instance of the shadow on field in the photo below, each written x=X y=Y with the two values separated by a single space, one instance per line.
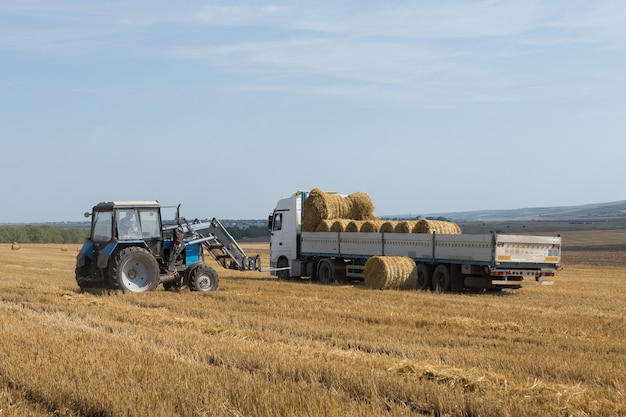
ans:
x=97 y=291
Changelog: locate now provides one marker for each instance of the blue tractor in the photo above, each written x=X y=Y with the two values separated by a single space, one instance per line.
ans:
x=130 y=248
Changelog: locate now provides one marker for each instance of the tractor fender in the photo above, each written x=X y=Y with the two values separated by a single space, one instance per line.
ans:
x=192 y=266
x=113 y=247
x=105 y=253
x=87 y=250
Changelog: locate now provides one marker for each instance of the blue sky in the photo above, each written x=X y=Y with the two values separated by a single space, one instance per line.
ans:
x=227 y=106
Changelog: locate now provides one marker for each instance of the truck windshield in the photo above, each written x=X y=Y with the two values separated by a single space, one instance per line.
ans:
x=102 y=226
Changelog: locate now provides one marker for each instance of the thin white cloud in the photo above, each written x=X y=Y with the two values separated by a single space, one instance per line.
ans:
x=398 y=49
x=237 y=14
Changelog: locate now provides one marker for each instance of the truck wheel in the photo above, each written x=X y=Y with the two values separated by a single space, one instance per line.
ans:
x=284 y=275
x=424 y=277
x=135 y=269
x=203 y=278
x=441 y=278
x=326 y=271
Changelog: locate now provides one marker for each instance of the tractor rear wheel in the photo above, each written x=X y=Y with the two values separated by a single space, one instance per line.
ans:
x=135 y=269
x=203 y=278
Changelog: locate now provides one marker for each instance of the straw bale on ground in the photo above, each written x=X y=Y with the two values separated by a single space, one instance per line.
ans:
x=320 y=205
x=390 y=272
x=436 y=226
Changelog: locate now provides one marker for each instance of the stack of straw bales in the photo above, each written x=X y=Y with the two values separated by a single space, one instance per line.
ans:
x=326 y=212
x=320 y=206
x=420 y=226
x=390 y=272
x=332 y=225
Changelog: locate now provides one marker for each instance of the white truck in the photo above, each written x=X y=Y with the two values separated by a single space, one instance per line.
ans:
x=445 y=262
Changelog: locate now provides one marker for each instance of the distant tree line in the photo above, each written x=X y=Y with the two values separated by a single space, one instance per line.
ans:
x=248 y=232
x=42 y=234
x=50 y=234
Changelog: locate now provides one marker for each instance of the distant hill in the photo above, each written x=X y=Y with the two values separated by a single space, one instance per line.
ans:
x=615 y=209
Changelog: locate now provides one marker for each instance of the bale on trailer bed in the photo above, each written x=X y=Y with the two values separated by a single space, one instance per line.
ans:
x=340 y=225
x=323 y=226
x=404 y=227
x=387 y=227
x=354 y=226
x=390 y=272
x=436 y=226
x=320 y=205
x=360 y=207
x=332 y=225
x=371 y=226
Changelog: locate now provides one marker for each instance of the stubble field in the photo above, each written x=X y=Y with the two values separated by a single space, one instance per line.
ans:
x=259 y=347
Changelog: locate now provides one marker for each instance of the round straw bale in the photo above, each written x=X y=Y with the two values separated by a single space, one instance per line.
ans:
x=436 y=226
x=387 y=227
x=339 y=225
x=360 y=207
x=353 y=226
x=316 y=208
x=371 y=226
x=390 y=272
x=423 y=226
x=404 y=227
x=323 y=226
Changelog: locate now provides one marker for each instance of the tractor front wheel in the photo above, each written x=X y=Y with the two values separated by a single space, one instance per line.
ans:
x=203 y=278
x=135 y=269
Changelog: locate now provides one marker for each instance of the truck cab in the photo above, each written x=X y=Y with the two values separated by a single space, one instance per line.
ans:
x=285 y=225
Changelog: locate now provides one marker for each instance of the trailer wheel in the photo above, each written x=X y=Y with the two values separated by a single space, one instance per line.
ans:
x=135 y=269
x=203 y=278
x=326 y=271
x=424 y=277
x=441 y=278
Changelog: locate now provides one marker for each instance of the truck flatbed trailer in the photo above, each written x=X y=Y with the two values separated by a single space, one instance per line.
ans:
x=445 y=262
x=505 y=257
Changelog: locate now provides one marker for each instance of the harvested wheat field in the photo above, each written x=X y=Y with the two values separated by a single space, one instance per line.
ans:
x=260 y=347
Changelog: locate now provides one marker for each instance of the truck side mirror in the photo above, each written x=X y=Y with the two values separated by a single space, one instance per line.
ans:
x=270 y=220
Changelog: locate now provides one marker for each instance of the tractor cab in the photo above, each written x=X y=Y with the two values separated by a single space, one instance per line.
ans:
x=127 y=222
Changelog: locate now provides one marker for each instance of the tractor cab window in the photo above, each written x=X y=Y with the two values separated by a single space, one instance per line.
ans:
x=128 y=225
x=102 y=226
x=150 y=224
